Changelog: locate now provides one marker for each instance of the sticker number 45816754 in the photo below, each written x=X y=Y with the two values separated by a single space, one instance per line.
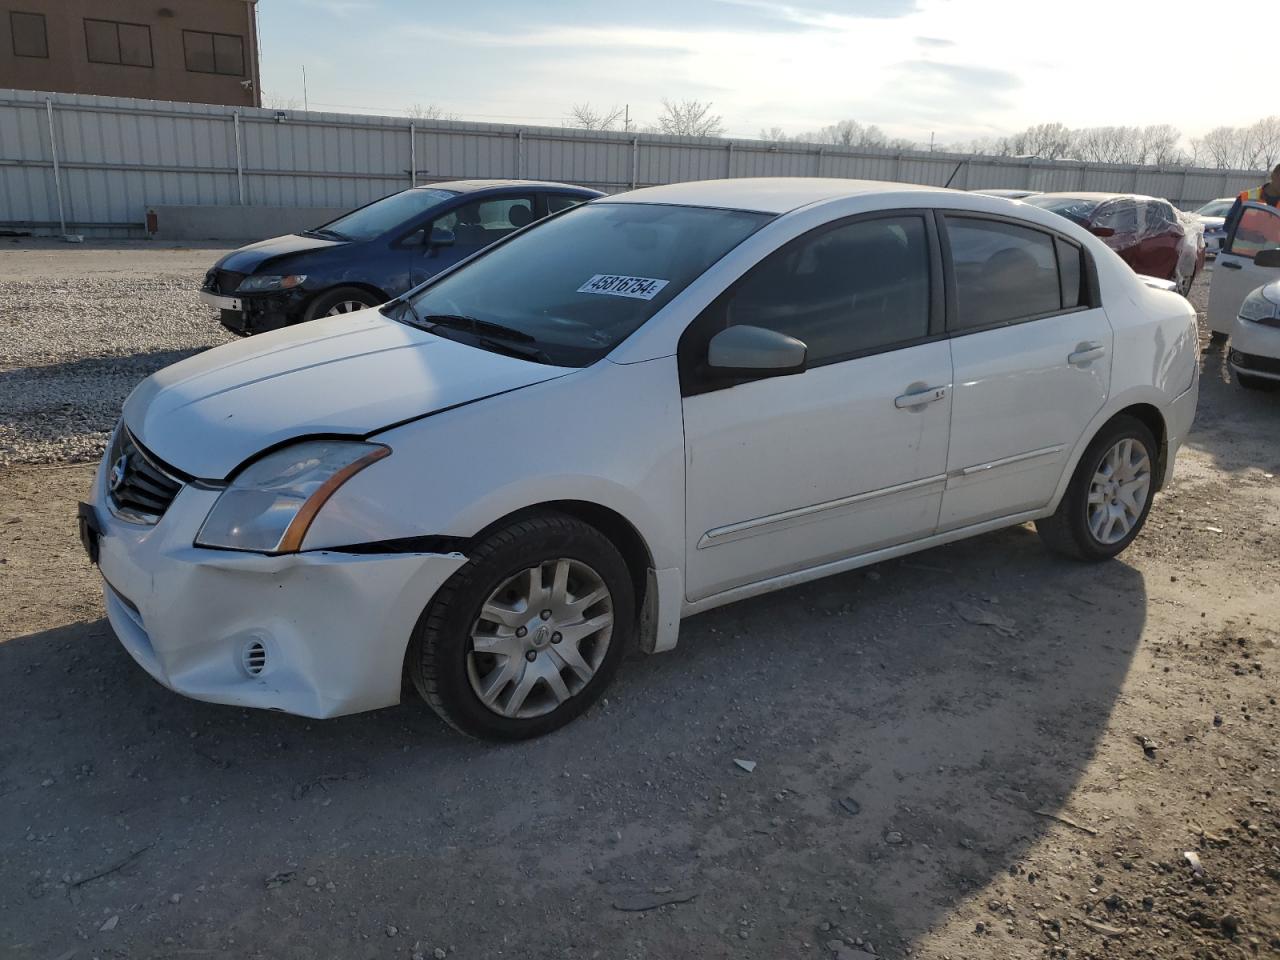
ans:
x=638 y=288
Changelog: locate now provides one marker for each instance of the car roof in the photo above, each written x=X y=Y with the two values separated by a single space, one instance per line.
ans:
x=1095 y=195
x=472 y=186
x=763 y=194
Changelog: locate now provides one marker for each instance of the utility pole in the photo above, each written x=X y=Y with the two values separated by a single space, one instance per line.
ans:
x=305 y=102
x=626 y=119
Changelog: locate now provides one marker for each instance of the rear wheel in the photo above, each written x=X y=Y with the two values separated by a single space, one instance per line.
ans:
x=525 y=636
x=333 y=303
x=1109 y=496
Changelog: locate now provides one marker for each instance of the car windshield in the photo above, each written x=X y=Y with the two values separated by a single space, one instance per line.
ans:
x=1078 y=209
x=580 y=283
x=386 y=214
x=1215 y=208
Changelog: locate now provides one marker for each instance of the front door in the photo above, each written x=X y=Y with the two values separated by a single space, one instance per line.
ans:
x=470 y=227
x=1235 y=275
x=787 y=473
x=1032 y=356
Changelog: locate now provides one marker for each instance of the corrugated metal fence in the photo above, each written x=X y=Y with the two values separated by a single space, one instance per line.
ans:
x=97 y=163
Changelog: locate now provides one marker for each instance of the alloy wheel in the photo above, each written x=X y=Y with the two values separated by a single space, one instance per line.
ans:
x=1119 y=490
x=345 y=306
x=539 y=638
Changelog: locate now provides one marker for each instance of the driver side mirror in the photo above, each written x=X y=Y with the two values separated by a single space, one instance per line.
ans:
x=1103 y=232
x=755 y=351
x=1267 y=258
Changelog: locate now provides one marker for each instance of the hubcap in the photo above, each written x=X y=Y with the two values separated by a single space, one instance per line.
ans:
x=1119 y=491
x=345 y=306
x=540 y=638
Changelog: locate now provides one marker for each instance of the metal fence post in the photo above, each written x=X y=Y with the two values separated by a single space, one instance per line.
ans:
x=635 y=160
x=818 y=171
x=413 y=154
x=235 y=119
x=520 y=154
x=728 y=162
x=57 y=170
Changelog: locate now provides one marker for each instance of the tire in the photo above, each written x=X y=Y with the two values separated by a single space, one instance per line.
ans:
x=1086 y=530
x=332 y=302
x=577 y=561
x=1250 y=382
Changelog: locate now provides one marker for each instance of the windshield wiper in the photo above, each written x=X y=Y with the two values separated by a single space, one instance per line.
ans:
x=478 y=327
x=325 y=234
x=514 y=349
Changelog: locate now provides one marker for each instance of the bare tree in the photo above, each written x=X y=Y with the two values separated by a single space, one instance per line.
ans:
x=773 y=135
x=689 y=118
x=849 y=133
x=1261 y=144
x=429 y=111
x=588 y=118
x=274 y=101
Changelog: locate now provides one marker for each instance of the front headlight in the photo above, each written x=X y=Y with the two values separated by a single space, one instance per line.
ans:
x=1257 y=307
x=269 y=506
x=265 y=283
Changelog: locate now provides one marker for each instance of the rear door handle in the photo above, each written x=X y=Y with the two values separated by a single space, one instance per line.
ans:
x=1231 y=265
x=1086 y=353
x=920 y=397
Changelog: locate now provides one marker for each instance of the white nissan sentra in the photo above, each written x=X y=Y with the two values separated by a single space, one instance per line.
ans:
x=643 y=408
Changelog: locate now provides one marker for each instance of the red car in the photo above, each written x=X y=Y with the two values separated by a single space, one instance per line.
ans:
x=1150 y=234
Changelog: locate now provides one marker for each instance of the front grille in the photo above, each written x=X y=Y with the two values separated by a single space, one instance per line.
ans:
x=140 y=490
x=1251 y=361
x=224 y=282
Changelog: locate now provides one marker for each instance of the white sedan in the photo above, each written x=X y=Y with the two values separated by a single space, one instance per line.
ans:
x=643 y=408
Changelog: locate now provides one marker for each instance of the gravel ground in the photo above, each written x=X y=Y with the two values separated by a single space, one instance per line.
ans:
x=79 y=327
x=981 y=751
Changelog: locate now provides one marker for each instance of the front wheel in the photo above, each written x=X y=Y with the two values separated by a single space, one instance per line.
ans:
x=334 y=303
x=525 y=636
x=1109 y=496
x=1251 y=382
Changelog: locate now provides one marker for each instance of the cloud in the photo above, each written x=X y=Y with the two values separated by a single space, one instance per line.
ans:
x=935 y=43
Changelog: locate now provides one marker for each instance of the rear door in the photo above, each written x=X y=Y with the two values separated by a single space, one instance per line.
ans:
x=1031 y=349
x=1235 y=275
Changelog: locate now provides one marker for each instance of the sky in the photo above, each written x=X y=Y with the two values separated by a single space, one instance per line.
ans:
x=949 y=69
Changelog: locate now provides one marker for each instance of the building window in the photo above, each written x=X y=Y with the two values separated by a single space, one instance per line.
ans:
x=214 y=52
x=29 y=36
x=127 y=44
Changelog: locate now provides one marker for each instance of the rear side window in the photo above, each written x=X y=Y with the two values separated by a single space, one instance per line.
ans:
x=1071 y=267
x=843 y=291
x=1003 y=272
x=562 y=201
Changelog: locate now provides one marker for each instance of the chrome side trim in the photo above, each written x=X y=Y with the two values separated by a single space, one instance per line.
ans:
x=720 y=534
x=1005 y=461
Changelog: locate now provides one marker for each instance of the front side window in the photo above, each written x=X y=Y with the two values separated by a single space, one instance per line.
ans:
x=1256 y=230
x=578 y=285
x=1003 y=272
x=126 y=44
x=30 y=36
x=1120 y=216
x=213 y=52
x=842 y=291
x=382 y=216
x=481 y=222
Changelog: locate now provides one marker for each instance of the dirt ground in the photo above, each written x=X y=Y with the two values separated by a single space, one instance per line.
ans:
x=1090 y=774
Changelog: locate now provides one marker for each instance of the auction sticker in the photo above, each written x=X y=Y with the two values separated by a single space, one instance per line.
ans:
x=638 y=288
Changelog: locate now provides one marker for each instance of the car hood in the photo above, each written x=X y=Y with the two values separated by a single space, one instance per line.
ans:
x=349 y=375
x=248 y=259
x=1210 y=222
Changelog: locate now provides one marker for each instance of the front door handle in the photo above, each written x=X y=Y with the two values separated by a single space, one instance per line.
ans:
x=1231 y=265
x=1086 y=353
x=919 y=398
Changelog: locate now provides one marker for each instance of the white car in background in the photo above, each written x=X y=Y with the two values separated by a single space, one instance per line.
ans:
x=1213 y=217
x=1255 y=337
x=1248 y=260
x=640 y=409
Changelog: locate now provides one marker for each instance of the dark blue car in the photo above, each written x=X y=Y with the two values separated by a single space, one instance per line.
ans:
x=375 y=253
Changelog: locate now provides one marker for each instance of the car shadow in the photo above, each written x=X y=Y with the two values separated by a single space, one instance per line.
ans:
x=1239 y=428
x=910 y=726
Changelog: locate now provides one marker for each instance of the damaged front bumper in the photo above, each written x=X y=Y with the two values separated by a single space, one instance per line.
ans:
x=319 y=634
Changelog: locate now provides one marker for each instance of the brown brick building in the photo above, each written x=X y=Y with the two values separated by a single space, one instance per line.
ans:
x=198 y=51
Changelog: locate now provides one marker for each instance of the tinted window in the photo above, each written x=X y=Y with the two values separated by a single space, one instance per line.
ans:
x=580 y=284
x=562 y=201
x=1077 y=209
x=128 y=44
x=1071 y=268
x=481 y=222
x=388 y=213
x=1256 y=230
x=1003 y=272
x=1120 y=216
x=843 y=290
x=29 y=36
x=213 y=52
